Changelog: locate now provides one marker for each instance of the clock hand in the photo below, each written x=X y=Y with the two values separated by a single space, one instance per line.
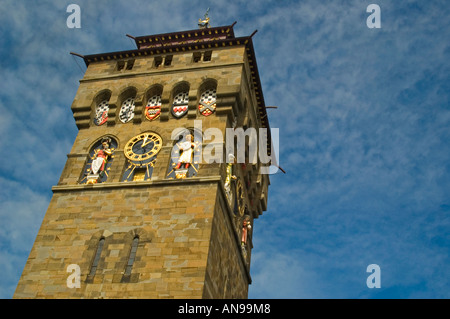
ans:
x=145 y=144
x=146 y=141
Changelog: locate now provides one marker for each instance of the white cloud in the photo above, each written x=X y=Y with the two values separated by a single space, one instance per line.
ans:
x=21 y=215
x=282 y=276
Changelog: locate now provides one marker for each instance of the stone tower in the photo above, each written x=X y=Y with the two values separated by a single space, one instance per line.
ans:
x=150 y=204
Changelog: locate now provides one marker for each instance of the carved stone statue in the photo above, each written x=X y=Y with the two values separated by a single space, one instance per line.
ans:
x=229 y=177
x=99 y=161
x=186 y=149
x=246 y=227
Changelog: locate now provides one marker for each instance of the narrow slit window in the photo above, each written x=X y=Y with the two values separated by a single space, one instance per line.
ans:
x=207 y=56
x=101 y=243
x=132 y=256
x=158 y=61
x=120 y=65
x=196 y=56
x=168 y=60
x=130 y=64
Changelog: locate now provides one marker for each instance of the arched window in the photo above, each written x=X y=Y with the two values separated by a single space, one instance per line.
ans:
x=94 y=265
x=153 y=107
x=101 y=104
x=208 y=97
x=132 y=256
x=207 y=102
x=101 y=112
x=126 y=113
x=180 y=100
x=127 y=98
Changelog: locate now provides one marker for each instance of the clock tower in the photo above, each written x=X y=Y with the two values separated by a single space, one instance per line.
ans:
x=156 y=200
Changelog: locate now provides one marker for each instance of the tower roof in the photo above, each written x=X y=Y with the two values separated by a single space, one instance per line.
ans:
x=193 y=37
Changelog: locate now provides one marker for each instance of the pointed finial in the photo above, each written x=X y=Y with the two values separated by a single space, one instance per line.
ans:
x=203 y=24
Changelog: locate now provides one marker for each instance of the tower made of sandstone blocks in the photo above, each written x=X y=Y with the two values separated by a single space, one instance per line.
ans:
x=137 y=213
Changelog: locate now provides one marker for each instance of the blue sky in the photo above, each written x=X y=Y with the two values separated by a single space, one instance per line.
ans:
x=364 y=119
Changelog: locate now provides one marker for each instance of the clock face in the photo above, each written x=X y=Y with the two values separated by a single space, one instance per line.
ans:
x=127 y=110
x=141 y=153
x=143 y=147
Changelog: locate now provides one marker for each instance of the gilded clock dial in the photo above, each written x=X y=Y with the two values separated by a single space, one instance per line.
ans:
x=143 y=147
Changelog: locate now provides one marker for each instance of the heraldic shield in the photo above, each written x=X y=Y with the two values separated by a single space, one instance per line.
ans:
x=207 y=103
x=153 y=108
x=180 y=104
x=101 y=113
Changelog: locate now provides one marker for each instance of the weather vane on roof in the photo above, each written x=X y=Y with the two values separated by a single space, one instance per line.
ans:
x=203 y=24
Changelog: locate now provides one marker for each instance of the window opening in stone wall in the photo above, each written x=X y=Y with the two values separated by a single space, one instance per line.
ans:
x=158 y=61
x=120 y=65
x=196 y=57
x=101 y=112
x=207 y=56
x=207 y=102
x=132 y=256
x=153 y=108
x=130 y=64
x=168 y=60
x=100 y=245
x=180 y=104
x=126 y=113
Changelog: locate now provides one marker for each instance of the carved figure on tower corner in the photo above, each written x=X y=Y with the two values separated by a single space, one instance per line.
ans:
x=246 y=227
x=229 y=176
